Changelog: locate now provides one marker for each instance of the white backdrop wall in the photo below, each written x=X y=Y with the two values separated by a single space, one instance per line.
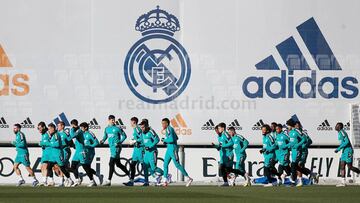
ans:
x=201 y=164
x=70 y=57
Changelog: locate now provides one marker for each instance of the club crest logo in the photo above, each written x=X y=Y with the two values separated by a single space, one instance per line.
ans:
x=157 y=67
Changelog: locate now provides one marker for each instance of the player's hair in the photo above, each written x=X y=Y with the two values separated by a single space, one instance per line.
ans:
x=267 y=127
x=134 y=119
x=17 y=125
x=341 y=125
x=111 y=117
x=84 y=125
x=51 y=125
x=216 y=127
x=279 y=125
x=43 y=125
x=231 y=128
x=61 y=123
x=74 y=122
x=298 y=123
x=290 y=122
x=144 y=123
x=223 y=125
x=166 y=120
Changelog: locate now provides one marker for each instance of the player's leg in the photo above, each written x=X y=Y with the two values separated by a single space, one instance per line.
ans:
x=342 y=174
x=121 y=166
x=167 y=160
x=18 y=172
x=223 y=174
x=111 y=171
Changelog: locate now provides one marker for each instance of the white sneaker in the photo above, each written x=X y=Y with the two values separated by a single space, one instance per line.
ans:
x=268 y=185
x=283 y=178
x=92 y=184
x=35 y=183
x=247 y=180
x=69 y=183
x=76 y=183
x=299 y=184
x=341 y=185
x=190 y=180
x=21 y=182
x=50 y=184
x=231 y=179
x=107 y=183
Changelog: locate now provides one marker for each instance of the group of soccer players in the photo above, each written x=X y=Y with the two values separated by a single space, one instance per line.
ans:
x=56 y=146
x=286 y=145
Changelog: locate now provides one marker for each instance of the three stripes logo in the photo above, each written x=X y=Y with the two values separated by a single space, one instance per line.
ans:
x=179 y=125
x=3 y=123
x=62 y=117
x=325 y=126
x=209 y=125
x=13 y=84
x=27 y=123
x=347 y=126
x=235 y=124
x=93 y=124
x=295 y=61
x=120 y=124
x=258 y=125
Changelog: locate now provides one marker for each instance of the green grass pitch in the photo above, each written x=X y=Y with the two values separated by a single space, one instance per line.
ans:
x=196 y=194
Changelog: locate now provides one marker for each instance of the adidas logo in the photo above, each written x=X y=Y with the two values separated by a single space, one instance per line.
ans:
x=93 y=124
x=62 y=117
x=27 y=123
x=180 y=126
x=12 y=84
x=257 y=126
x=3 y=123
x=290 y=84
x=325 y=126
x=235 y=124
x=347 y=126
x=120 y=124
x=209 y=125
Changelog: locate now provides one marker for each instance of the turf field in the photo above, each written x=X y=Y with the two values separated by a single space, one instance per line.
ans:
x=197 y=194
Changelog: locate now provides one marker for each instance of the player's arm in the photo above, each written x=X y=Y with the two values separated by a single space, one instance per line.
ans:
x=344 y=141
x=245 y=144
x=302 y=140
x=155 y=140
x=225 y=144
x=104 y=137
x=172 y=136
x=93 y=140
x=20 y=141
x=122 y=135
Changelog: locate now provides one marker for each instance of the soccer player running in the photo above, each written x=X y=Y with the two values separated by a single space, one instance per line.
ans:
x=45 y=157
x=138 y=152
x=116 y=136
x=296 y=142
x=240 y=145
x=313 y=177
x=225 y=148
x=172 y=149
x=66 y=142
x=150 y=139
x=77 y=134
x=90 y=142
x=347 y=153
x=57 y=157
x=22 y=156
x=282 y=153
x=268 y=151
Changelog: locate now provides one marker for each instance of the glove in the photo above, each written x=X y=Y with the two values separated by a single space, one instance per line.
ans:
x=101 y=142
x=147 y=148
x=336 y=150
x=261 y=151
